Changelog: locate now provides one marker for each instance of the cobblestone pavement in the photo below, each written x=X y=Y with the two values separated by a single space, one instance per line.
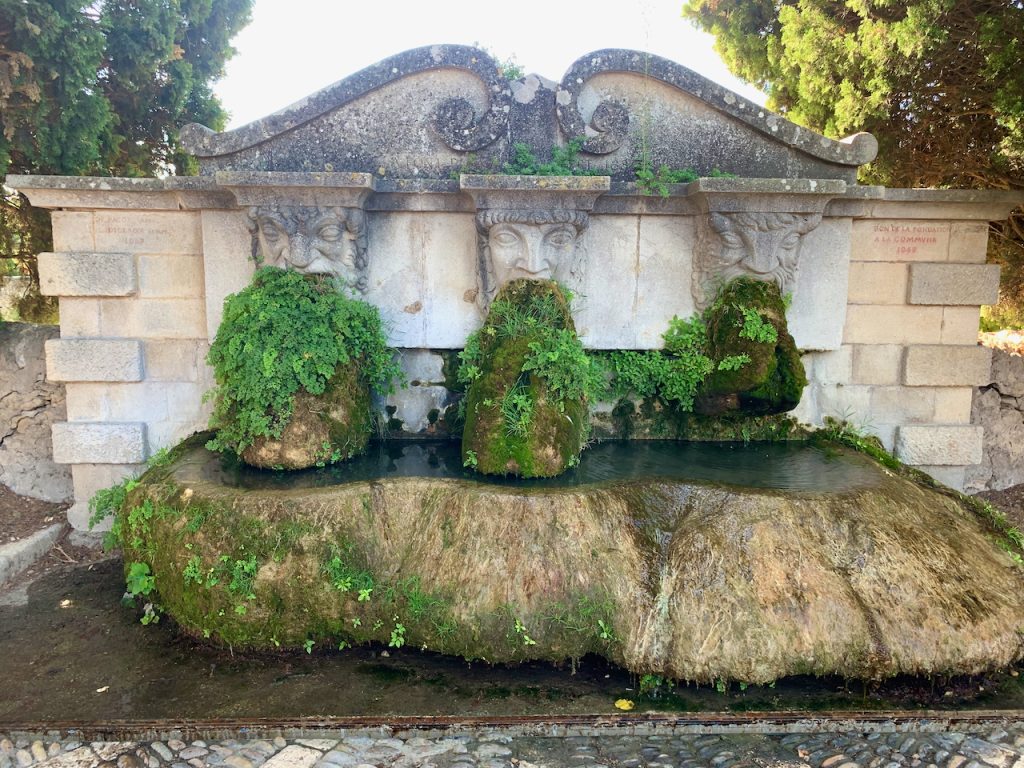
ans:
x=987 y=748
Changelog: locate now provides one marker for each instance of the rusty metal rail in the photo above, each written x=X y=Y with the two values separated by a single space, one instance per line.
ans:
x=931 y=721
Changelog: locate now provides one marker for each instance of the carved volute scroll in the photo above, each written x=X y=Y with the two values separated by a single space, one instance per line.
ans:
x=531 y=244
x=765 y=246
x=312 y=239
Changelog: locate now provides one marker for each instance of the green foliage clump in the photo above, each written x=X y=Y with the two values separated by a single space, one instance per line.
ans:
x=565 y=161
x=529 y=380
x=284 y=333
x=655 y=181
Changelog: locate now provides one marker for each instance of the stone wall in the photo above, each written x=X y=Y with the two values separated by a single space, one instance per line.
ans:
x=999 y=411
x=29 y=405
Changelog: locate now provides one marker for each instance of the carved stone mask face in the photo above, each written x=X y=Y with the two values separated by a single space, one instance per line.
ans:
x=312 y=240
x=761 y=252
x=533 y=251
x=529 y=244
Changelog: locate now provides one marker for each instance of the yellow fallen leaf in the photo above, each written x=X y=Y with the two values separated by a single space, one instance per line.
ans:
x=104 y=689
x=624 y=704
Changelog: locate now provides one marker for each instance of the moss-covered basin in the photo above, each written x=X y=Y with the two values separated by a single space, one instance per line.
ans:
x=686 y=579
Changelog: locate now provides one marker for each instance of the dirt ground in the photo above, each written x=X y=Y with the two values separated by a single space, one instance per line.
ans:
x=21 y=516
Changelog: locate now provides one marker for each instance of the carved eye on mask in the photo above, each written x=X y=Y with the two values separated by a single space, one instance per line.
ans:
x=330 y=232
x=732 y=240
x=791 y=241
x=270 y=230
x=560 y=238
x=505 y=237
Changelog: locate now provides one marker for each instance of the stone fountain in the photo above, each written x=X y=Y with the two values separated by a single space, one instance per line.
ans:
x=392 y=181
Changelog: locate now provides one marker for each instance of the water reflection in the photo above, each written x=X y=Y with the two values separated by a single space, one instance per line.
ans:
x=782 y=466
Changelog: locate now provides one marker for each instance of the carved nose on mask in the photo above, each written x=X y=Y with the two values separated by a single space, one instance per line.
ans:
x=298 y=251
x=762 y=262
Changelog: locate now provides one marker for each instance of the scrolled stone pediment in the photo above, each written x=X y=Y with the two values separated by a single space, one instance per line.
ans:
x=436 y=111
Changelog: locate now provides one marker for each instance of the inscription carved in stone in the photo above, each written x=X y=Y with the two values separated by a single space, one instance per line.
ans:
x=313 y=240
x=765 y=246
x=531 y=244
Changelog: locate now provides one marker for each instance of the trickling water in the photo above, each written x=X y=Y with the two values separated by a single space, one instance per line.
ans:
x=791 y=467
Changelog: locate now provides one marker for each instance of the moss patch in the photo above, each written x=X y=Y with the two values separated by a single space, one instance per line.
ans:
x=526 y=411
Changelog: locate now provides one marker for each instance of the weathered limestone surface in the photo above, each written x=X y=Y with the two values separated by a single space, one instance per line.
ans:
x=999 y=410
x=29 y=404
x=704 y=582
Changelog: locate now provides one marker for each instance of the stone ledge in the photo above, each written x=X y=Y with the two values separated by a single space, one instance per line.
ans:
x=954 y=284
x=87 y=274
x=939 y=445
x=944 y=365
x=99 y=443
x=94 y=360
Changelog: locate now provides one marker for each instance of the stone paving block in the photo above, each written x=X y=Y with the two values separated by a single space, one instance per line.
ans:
x=94 y=360
x=99 y=443
x=947 y=365
x=953 y=405
x=939 y=445
x=173 y=360
x=294 y=756
x=153 y=318
x=901 y=405
x=954 y=284
x=87 y=274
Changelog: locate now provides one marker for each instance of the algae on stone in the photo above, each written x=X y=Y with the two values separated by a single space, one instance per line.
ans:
x=686 y=580
x=748 y=319
x=519 y=419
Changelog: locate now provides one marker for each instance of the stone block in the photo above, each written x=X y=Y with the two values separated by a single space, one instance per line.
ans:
x=876 y=364
x=960 y=325
x=878 y=282
x=952 y=476
x=153 y=318
x=99 y=443
x=818 y=312
x=891 y=324
x=899 y=240
x=422 y=366
x=846 y=403
x=1007 y=373
x=168 y=433
x=902 y=405
x=79 y=317
x=89 y=478
x=637 y=279
x=94 y=359
x=954 y=284
x=227 y=261
x=148 y=232
x=939 y=445
x=73 y=230
x=968 y=242
x=953 y=405
x=830 y=367
x=170 y=276
x=87 y=401
x=947 y=365
x=173 y=360
x=447 y=251
x=87 y=274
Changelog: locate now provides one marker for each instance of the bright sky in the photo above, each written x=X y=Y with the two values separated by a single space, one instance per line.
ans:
x=295 y=47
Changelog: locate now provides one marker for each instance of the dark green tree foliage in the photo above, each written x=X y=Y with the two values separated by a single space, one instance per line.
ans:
x=101 y=89
x=938 y=82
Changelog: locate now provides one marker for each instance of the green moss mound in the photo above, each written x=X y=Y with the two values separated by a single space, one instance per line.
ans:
x=748 y=321
x=294 y=359
x=529 y=378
